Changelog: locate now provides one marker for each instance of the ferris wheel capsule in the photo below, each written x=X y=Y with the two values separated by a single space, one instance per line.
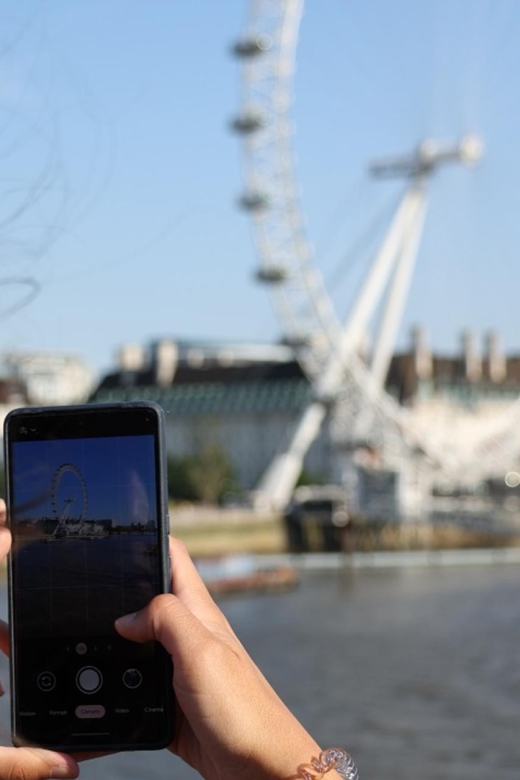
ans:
x=248 y=122
x=274 y=274
x=255 y=201
x=252 y=46
x=300 y=341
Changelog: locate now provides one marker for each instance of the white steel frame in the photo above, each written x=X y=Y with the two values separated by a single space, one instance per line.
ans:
x=328 y=350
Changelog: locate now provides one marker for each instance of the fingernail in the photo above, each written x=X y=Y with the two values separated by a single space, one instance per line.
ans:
x=126 y=619
x=62 y=771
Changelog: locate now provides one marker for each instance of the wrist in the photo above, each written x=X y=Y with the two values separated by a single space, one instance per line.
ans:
x=284 y=756
x=284 y=747
x=306 y=760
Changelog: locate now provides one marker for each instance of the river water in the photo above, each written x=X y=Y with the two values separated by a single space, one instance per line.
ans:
x=415 y=671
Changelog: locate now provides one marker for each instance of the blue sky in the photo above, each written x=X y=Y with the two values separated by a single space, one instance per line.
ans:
x=113 y=128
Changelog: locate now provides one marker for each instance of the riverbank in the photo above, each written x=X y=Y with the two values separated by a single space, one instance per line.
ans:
x=210 y=531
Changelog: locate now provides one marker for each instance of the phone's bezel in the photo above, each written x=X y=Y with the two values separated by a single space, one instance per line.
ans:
x=113 y=419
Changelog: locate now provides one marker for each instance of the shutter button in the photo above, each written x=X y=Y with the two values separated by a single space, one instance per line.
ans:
x=89 y=679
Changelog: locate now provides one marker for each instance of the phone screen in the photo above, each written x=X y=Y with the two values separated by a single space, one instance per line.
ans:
x=87 y=525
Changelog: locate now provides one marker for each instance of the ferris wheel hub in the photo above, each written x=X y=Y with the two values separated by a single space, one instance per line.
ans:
x=430 y=154
x=471 y=149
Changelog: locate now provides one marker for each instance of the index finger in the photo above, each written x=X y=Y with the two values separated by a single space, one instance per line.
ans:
x=188 y=586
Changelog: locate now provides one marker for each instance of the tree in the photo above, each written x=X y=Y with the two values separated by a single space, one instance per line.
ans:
x=205 y=476
x=309 y=478
x=180 y=485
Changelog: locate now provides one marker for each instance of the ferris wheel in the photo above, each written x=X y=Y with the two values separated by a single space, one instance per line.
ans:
x=329 y=351
x=61 y=504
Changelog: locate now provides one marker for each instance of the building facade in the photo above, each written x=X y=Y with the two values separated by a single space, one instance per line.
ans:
x=242 y=398
x=246 y=397
x=42 y=379
x=48 y=378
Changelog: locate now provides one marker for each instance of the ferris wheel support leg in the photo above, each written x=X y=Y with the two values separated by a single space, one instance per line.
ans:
x=397 y=295
x=279 y=480
x=369 y=297
x=392 y=315
x=281 y=477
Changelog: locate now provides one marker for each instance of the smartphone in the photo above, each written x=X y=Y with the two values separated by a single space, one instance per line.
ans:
x=87 y=507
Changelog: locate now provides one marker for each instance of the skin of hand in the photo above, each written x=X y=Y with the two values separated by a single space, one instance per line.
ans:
x=231 y=725
x=28 y=763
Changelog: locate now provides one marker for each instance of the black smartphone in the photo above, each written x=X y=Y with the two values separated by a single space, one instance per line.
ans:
x=87 y=507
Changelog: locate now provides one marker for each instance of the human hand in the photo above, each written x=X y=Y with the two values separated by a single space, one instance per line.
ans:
x=27 y=763
x=231 y=724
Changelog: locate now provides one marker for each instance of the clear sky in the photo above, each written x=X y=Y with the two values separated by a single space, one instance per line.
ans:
x=120 y=176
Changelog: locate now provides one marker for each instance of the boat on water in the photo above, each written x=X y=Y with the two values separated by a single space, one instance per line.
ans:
x=236 y=574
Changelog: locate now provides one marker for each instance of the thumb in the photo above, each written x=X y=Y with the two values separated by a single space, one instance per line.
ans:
x=167 y=620
x=36 y=764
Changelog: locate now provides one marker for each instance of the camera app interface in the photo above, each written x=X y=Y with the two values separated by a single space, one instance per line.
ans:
x=85 y=551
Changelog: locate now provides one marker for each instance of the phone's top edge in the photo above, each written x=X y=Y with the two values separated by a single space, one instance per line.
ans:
x=94 y=407
x=59 y=411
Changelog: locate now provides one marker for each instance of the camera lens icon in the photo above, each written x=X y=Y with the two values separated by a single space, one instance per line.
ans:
x=132 y=678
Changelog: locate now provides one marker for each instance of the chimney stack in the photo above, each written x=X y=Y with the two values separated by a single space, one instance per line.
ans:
x=495 y=367
x=130 y=357
x=422 y=356
x=164 y=361
x=471 y=360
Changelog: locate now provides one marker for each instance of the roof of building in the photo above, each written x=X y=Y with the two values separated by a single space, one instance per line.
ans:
x=212 y=398
x=206 y=374
x=215 y=349
x=270 y=386
x=448 y=372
